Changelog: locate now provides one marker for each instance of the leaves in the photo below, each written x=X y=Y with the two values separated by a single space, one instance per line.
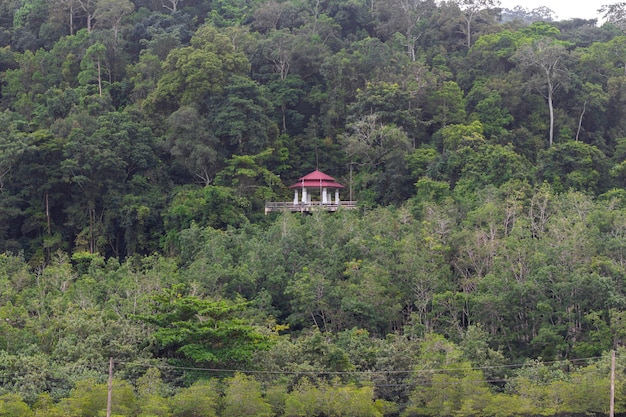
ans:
x=202 y=332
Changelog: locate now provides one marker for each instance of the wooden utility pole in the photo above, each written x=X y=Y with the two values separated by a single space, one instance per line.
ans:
x=110 y=394
x=612 y=396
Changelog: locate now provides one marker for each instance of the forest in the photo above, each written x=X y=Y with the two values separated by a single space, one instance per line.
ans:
x=483 y=272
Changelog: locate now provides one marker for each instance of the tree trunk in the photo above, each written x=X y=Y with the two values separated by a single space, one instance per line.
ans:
x=99 y=79
x=551 y=108
x=580 y=120
x=71 y=20
x=48 y=220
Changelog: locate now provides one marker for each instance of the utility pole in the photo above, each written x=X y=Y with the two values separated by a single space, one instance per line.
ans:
x=612 y=396
x=110 y=394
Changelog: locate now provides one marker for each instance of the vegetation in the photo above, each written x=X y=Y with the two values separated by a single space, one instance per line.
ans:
x=482 y=275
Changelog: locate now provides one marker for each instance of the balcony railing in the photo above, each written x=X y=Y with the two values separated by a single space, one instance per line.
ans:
x=308 y=207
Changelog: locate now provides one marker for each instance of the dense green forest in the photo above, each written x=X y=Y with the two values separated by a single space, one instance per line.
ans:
x=483 y=274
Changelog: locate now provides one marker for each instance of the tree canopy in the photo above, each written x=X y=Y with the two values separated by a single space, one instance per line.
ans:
x=481 y=273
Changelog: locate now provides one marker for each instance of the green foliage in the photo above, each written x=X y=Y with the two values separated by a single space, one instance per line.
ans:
x=89 y=399
x=137 y=150
x=457 y=135
x=92 y=66
x=331 y=399
x=11 y=405
x=198 y=400
x=211 y=206
x=573 y=165
x=242 y=396
x=239 y=117
x=194 y=72
x=494 y=117
x=190 y=330
x=192 y=144
x=448 y=104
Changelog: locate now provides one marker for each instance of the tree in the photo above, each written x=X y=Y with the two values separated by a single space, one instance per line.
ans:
x=472 y=9
x=144 y=76
x=407 y=17
x=395 y=103
x=278 y=49
x=593 y=97
x=12 y=405
x=193 y=73
x=281 y=49
x=494 y=117
x=372 y=143
x=615 y=14
x=89 y=8
x=99 y=164
x=332 y=399
x=171 y=5
x=461 y=391
x=242 y=397
x=421 y=275
x=208 y=206
x=89 y=399
x=198 y=400
x=492 y=53
x=150 y=390
x=239 y=117
x=469 y=159
x=13 y=144
x=547 y=57
x=92 y=66
x=314 y=298
x=574 y=165
x=379 y=150
x=193 y=144
x=249 y=177
x=109 y=14
x=347 y=71
x=448 y=104
x=193 y=331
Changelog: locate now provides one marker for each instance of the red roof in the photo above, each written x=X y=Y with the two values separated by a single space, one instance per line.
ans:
x=316 y=179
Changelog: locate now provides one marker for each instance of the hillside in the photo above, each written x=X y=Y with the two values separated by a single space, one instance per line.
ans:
x=483 y=273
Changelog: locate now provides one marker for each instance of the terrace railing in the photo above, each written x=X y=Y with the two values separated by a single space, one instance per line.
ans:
x=271 y=206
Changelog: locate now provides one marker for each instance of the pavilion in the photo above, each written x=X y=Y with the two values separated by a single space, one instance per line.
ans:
x=315 y=182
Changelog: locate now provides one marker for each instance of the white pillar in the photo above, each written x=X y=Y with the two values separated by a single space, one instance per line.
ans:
x=304 y=197
x=324 y=196
x=337 y=196
x=295 y=196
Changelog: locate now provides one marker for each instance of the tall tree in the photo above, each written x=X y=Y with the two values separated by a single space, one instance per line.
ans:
x=110 y=13
x=193 y=144
x=472 y=10
x=407 y=17
x=92 y=66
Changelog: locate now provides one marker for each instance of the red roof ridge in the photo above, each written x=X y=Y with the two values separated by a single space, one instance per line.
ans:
x=316 y=179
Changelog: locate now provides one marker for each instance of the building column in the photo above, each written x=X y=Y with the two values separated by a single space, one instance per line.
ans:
x=324 y=196
x=337 y=196
x=295 y=196
x=304 y=196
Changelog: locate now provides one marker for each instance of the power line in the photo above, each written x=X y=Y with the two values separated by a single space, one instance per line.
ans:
x=362 y=372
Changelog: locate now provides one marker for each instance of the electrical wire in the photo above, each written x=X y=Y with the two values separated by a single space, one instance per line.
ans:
x=365 y=372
